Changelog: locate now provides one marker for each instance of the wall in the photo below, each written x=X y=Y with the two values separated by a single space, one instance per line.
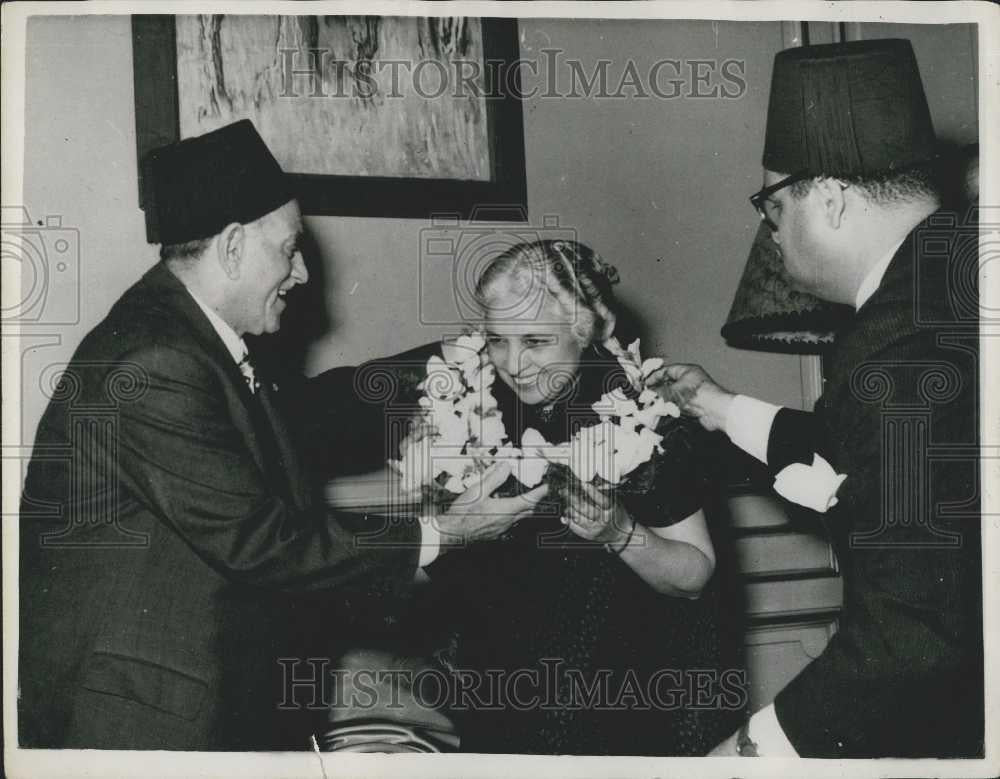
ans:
x=947 y=55
x=657 y=186
x=80 y=166
x=626 y=177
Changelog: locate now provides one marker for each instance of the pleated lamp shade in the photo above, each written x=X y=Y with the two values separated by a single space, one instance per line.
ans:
x=769 y=314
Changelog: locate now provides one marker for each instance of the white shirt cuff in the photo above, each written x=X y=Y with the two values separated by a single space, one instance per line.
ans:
x=748 y=425
x=765 y=730
x=430 y=541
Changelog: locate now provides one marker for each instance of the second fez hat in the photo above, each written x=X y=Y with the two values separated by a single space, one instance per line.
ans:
x=847 y=109
x=195 y=187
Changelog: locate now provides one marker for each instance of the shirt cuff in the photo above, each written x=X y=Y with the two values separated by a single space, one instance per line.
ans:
x=765 y=731
x=430 y=541
x=748 y=425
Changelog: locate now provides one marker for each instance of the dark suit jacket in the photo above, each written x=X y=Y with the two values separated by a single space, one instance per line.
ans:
x=904 y=674
x=169 y=541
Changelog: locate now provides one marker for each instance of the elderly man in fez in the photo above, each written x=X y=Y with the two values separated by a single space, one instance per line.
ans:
x=849 y=201
x=167 y=530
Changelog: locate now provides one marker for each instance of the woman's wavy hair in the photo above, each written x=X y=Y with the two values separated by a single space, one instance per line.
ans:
x=572 y=273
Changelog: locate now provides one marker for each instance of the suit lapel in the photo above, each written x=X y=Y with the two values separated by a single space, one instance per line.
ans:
x=291 y=473
x=875 y=325
x=255 y=415
x=166 y=287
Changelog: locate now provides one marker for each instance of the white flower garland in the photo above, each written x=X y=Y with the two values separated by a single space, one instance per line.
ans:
x=460 y=432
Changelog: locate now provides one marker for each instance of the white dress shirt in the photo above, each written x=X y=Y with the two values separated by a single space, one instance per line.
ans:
x=870 y=282
x=748 y=425
x=235 y=345
x=430 y=536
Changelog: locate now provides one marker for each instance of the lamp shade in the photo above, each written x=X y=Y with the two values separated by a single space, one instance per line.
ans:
x=770 y=314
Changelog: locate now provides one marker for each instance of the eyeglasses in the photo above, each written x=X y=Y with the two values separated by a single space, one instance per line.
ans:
x=757 y=199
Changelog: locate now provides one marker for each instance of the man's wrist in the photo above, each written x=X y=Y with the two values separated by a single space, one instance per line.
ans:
x=721 y=403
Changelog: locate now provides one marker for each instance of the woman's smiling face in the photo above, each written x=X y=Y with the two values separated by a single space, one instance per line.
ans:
x=533 y=347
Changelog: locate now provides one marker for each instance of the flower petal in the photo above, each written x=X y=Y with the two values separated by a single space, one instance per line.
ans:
x=489 y=431
x=650 y=416
x=454 y=484
x=585 y=450
x=648 y=396
x=443 y=382
x=651 y=365
x=615 y=403
x=532 y=439
x=464 y=349
x=531 y=470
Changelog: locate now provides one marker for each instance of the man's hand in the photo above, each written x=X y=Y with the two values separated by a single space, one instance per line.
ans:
x=476 y=515
x=694 y=392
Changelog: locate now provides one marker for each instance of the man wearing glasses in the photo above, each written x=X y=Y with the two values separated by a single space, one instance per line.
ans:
x=850 y=201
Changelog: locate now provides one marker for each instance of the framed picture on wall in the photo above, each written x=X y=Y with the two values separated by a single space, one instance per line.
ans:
x=373 y=116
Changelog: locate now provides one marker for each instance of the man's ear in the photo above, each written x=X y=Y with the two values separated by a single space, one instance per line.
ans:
x=230 y=246
x=832 y=201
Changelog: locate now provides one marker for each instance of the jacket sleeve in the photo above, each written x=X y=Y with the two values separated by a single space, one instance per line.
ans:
x=794 y=437
x=365 y=409
x=180 y=450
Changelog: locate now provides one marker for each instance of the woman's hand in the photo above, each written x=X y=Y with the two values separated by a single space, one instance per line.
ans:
x=597 y=517
x=676 y=560
x=476 y=515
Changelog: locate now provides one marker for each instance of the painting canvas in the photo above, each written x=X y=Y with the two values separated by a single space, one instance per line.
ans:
x=353 y=107
x=324 y=96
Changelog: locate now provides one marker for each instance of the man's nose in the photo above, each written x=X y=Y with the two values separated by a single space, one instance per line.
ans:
x=299 y=271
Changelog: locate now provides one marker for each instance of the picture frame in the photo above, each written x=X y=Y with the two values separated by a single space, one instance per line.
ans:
x=503 y=197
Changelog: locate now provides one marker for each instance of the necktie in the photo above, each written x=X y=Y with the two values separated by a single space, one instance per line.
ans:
x=272 y=435
x=246 y=368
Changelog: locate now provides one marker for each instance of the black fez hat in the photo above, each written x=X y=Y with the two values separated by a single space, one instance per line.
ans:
x=195 y=187
x=847 y=108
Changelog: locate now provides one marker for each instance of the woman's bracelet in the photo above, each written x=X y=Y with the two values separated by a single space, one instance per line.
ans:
x=628 y=540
